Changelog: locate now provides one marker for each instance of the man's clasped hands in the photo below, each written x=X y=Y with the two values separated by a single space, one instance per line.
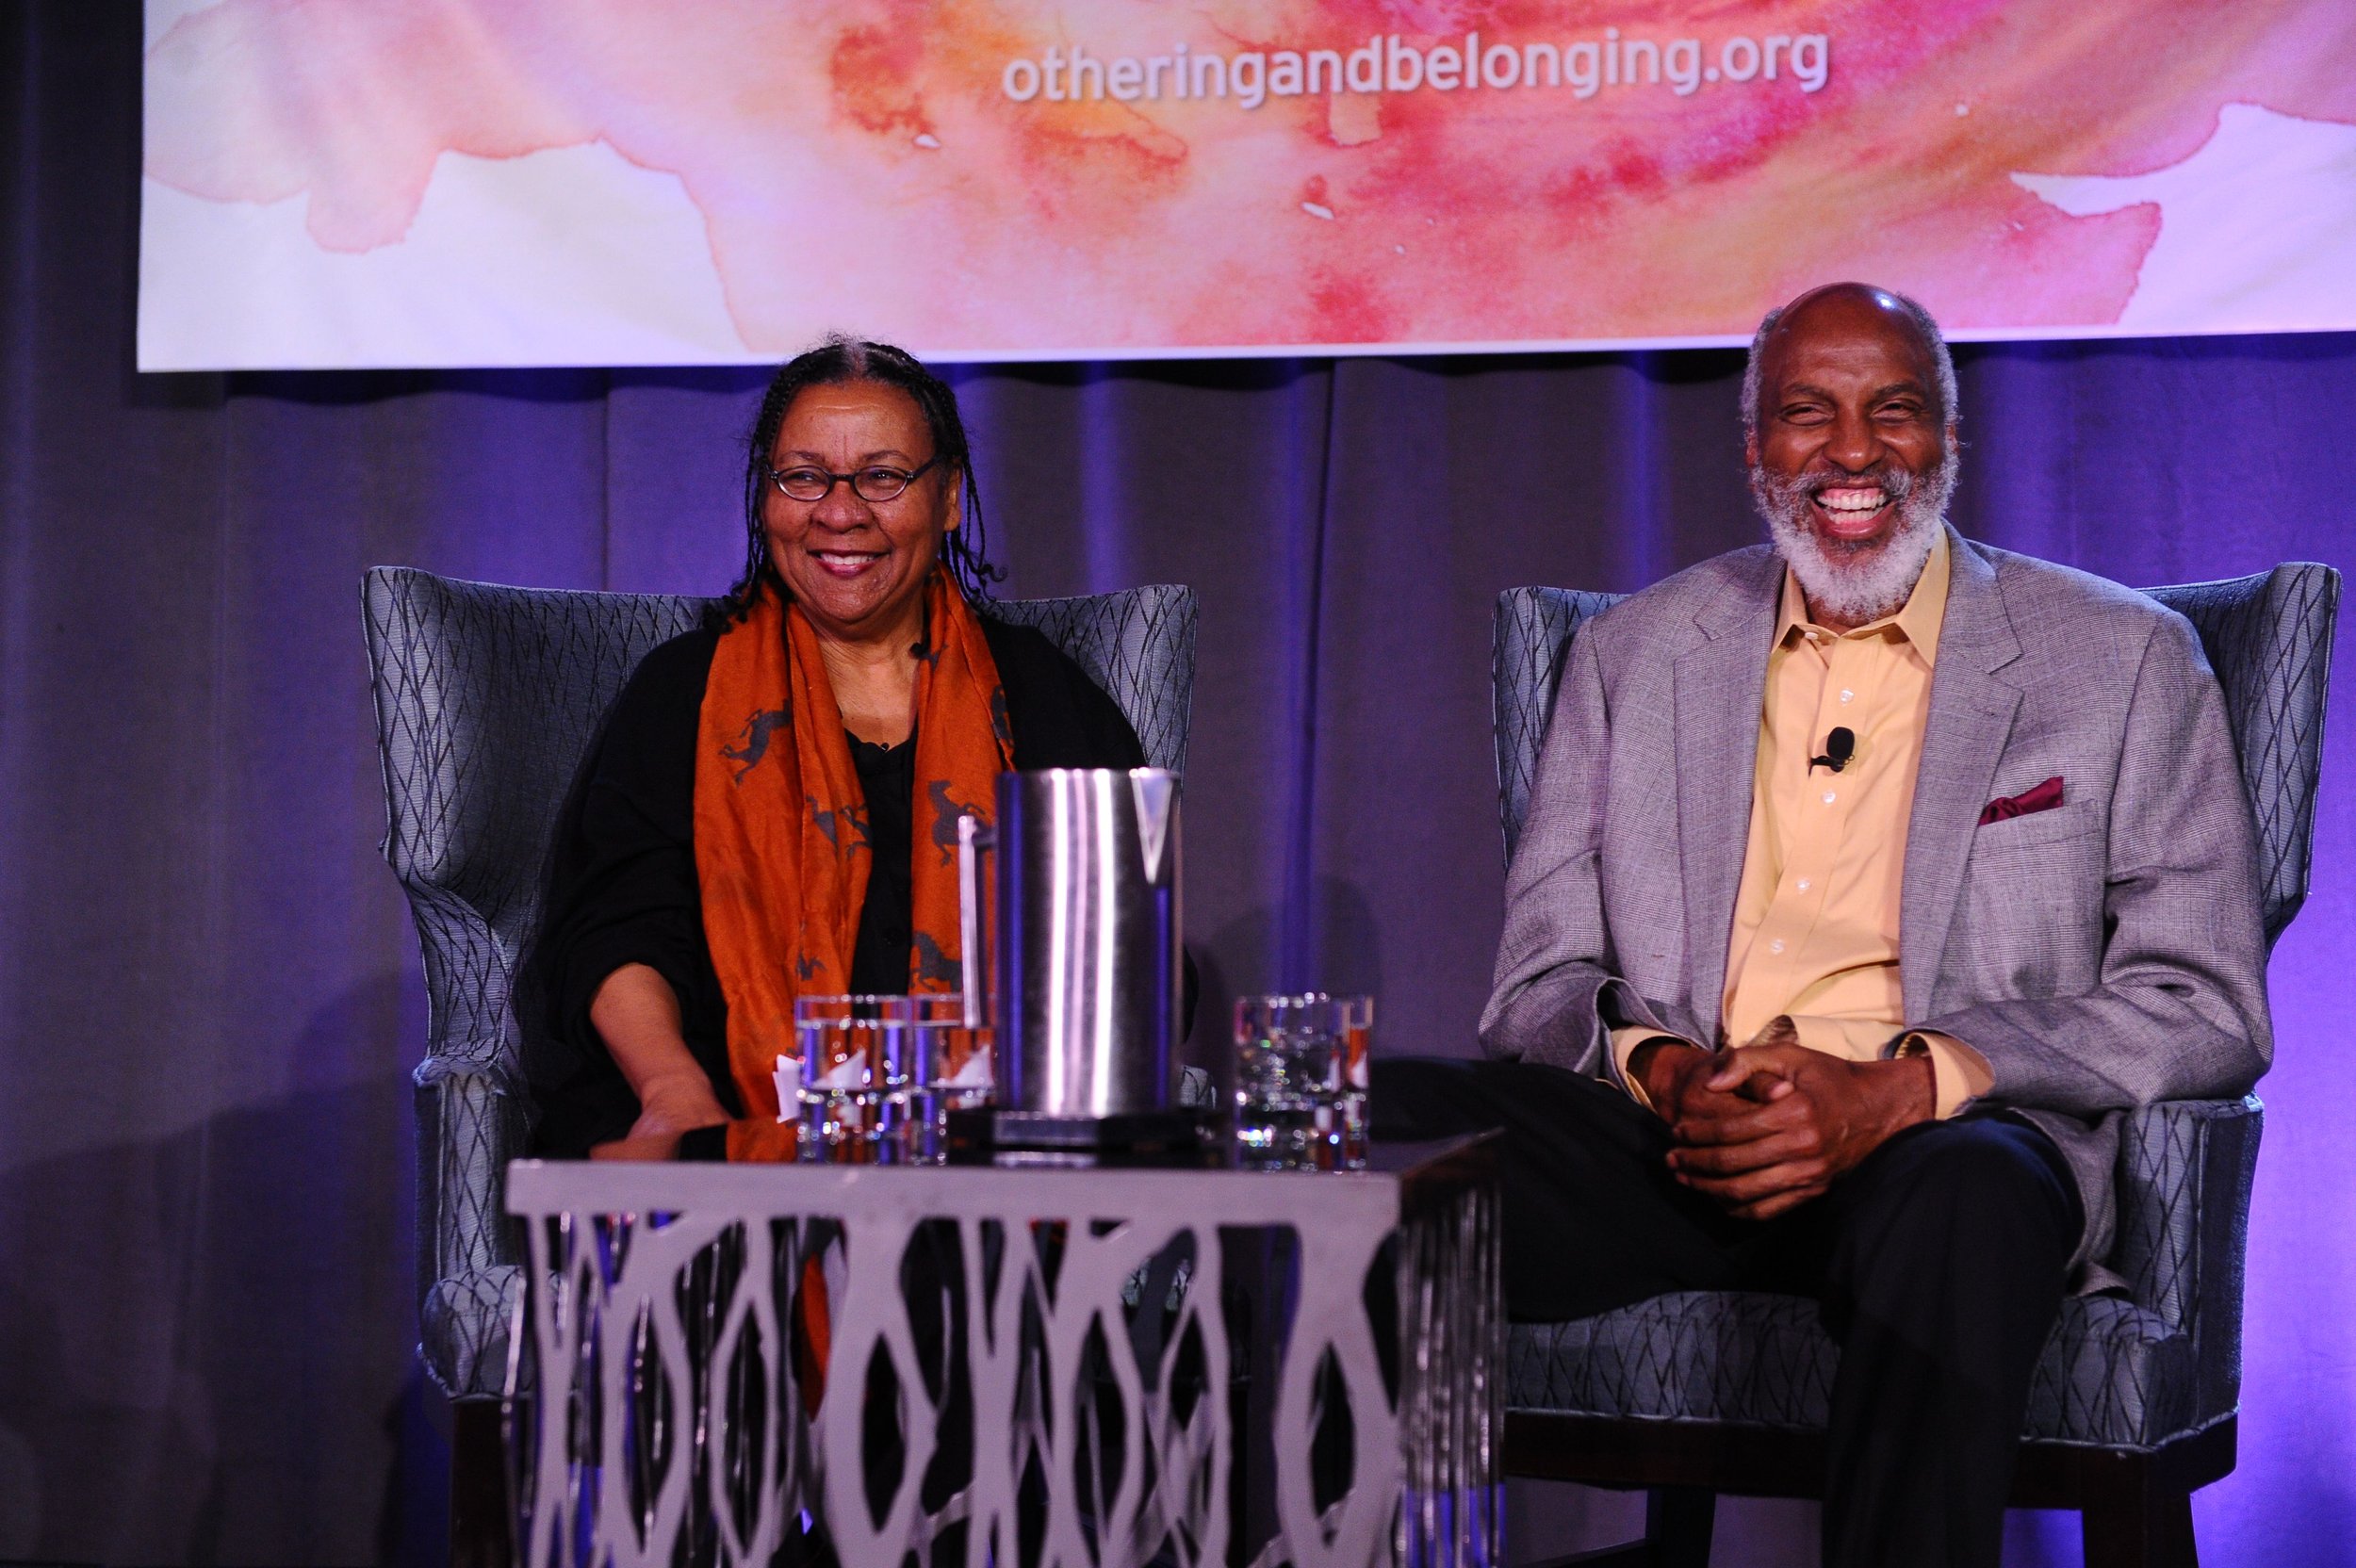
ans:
x=1764 y=1127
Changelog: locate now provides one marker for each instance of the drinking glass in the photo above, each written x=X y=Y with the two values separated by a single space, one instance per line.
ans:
x=1354 y=1016
x=1301 y=1080
x=854 y=1077
x=951 y=1070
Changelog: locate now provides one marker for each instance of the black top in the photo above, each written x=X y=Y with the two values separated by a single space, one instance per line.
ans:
x=879 y=951
x=622 y=883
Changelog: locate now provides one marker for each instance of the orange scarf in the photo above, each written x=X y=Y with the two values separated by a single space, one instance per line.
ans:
x=781 y=847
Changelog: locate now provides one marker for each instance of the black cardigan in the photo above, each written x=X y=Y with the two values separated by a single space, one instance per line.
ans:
x=623 y=889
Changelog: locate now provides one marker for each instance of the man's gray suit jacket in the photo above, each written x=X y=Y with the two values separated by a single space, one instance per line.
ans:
x=2101 y=955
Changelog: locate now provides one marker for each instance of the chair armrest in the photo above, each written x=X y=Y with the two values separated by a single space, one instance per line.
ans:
x=470 y=984
x=2184 y=1169
x=465 y=1327
x=471 y=1124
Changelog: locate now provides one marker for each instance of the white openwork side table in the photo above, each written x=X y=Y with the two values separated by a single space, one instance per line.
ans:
x=1060 y=1369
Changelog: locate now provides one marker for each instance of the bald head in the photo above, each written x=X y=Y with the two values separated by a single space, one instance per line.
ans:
x=1849 y=310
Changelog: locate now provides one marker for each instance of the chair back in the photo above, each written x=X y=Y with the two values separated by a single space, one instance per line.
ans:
x=1138 y=645
x=1534 y=628
x=2268 y=637
x=487 y=700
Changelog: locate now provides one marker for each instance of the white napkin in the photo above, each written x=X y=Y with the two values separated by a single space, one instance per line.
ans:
x=789 y=1082
x=848 y=1073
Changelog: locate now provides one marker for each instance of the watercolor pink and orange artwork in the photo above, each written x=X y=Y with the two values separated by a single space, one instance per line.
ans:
x=353 y=183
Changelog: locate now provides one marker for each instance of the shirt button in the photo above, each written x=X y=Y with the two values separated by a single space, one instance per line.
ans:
x=1847 y=696
x=1828 y=797
x=1802 y=884
x=1775 y=946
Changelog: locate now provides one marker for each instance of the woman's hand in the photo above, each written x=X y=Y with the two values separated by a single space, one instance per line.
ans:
x=667 y=1107
x=677 y=1102
x=636 y=1013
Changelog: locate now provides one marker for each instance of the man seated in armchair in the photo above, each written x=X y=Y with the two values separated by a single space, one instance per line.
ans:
x=1869 y=876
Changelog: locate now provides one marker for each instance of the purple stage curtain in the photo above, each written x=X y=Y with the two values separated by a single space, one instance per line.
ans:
x=208 y=990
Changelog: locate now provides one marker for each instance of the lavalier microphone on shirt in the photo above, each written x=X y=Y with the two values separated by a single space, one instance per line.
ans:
x=1838 y=747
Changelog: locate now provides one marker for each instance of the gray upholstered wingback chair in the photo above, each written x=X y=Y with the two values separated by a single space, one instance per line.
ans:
x=2132 y=1405
x=488 y=699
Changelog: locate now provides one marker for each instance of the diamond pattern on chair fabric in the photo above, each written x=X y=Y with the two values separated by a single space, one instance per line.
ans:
x=2117 y=1374
x=2185 y=1174
x=2268 y=637
x=1533 y=634
x=2112 y=1375
x=1138 y=645
x=1690 y=1356
x=487 y=698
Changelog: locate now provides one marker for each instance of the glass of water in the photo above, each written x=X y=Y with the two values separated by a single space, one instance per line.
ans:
x=1301 y=1080
x=951 y=1069
x=856 y=1066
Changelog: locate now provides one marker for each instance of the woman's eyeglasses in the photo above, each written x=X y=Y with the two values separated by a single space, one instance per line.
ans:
x=875 y=483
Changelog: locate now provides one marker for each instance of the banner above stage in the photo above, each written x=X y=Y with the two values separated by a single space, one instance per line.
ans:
x=342 y=184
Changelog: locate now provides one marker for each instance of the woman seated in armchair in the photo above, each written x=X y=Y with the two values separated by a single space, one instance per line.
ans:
x=772 y=810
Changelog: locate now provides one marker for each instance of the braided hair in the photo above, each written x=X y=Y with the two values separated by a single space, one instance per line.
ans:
x=833 y=363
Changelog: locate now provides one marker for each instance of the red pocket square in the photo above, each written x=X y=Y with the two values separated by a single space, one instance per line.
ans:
x=2043 y=797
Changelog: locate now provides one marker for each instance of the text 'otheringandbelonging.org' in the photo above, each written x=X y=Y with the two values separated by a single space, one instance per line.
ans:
x=1582 y=68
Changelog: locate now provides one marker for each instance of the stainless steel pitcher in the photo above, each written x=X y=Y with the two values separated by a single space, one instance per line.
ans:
x=1085 y=939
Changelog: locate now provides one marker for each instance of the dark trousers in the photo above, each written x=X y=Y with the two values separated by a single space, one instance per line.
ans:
x=1940 y=1263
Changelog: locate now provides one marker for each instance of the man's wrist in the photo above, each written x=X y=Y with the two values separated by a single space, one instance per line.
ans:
x=1646 y=1058
x=1913 y=1091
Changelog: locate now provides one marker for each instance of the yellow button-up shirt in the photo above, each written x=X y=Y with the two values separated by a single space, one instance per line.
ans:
x=1816 y=920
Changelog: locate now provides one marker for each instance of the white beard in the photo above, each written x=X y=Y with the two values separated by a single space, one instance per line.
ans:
x=1857 y=583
